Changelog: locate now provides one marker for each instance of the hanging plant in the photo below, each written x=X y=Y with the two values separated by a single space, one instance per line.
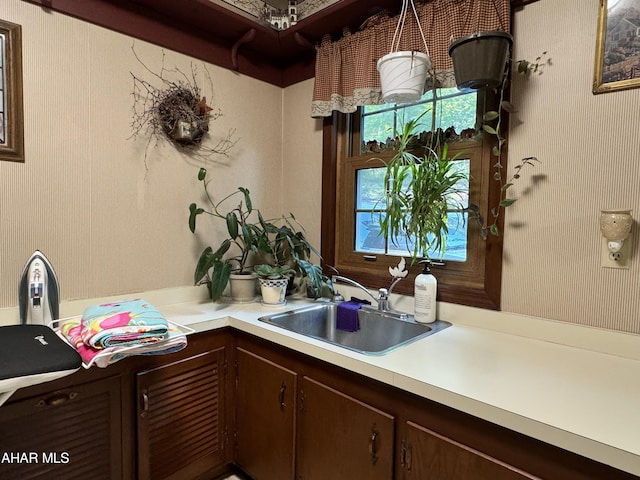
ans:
x=176 y=111
x=419 y=192
x=492 y=125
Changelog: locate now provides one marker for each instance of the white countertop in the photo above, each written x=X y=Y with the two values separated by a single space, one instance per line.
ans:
x=574 y=387
x=584 y=401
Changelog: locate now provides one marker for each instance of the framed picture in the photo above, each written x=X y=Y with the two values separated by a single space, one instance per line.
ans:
x=618 y=46
x=11 y=116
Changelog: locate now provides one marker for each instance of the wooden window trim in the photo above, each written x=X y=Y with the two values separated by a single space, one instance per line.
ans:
x=484 y=294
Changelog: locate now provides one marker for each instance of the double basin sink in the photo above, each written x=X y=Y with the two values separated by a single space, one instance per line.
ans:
x=379 y=332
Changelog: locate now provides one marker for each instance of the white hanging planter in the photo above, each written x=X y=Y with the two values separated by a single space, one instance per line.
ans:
x=403 y=74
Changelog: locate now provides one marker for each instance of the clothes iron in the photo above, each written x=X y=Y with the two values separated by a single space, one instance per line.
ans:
x=38 y=291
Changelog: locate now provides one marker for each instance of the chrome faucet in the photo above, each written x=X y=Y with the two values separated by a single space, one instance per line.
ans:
x=383 y=293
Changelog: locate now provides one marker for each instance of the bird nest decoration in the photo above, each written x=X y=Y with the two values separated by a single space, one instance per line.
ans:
x=184 y=117
x=176 y=111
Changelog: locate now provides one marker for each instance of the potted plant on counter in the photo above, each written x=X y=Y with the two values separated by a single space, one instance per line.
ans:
x=288 y=246
x=216 y=268
x=249 y=236
x=273 y=282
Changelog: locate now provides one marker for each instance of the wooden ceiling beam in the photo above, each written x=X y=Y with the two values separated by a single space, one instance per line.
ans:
x=215 y=34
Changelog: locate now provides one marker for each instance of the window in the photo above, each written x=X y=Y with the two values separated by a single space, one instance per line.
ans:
x=449 y=109
x=355 y=147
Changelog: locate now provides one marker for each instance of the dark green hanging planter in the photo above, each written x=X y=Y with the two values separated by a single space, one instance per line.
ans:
x=480 y=58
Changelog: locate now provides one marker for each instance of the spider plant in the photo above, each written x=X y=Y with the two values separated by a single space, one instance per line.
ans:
x=420 y=191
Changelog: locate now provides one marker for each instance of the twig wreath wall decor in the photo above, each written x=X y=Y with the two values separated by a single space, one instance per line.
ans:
x=176 y=111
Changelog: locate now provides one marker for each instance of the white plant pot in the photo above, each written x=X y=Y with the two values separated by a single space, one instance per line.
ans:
x=403 y=76
x=242 y=287
x=274 y=291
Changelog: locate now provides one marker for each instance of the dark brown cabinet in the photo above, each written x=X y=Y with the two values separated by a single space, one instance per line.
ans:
x=146 y=417
x=180 y=421
x=287 y=416
x=427 y=454
x=348 y=426
x=340 y=437
x=290 y=426
x=73 y=432
x=265 y=417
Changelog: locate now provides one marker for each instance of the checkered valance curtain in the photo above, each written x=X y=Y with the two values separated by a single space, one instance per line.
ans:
x=346 y=74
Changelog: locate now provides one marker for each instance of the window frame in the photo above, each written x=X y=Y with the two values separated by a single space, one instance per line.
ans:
x=480 y=289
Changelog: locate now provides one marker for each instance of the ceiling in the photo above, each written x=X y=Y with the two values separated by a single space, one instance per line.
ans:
x=290 y=50
x=222 y=33
x=254 y=8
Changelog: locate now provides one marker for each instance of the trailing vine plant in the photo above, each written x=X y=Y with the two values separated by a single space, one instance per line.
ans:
x=176 y=111
x=523 y=67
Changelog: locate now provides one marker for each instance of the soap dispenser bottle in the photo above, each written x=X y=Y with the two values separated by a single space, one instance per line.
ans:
x=425 y=290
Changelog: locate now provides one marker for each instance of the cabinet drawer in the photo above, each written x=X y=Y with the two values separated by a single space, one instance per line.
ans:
x=70 y=433
x=428 y=454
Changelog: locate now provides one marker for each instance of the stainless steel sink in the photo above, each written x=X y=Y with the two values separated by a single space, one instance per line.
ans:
x=379 y=332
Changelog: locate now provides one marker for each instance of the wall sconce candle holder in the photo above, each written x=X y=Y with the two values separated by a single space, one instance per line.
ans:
x=615 y=226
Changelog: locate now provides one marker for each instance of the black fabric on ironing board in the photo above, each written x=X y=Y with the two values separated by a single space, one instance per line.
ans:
x=34 y=349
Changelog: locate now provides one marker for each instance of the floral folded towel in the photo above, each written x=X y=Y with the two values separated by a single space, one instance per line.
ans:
x=72 y=330
x=126 y=323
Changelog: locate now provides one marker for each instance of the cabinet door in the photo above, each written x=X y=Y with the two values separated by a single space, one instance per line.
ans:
x=265 y=417
x=69 y=433
x=181 y=417
x=341 y=438
x=427 y=454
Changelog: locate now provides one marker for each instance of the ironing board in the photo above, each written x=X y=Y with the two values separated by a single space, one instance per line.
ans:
x=32 y=354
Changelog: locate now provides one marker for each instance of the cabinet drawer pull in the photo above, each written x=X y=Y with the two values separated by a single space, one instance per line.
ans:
x=301 y=400
x=145 y=404
x=406 y=457
x=373 y=445
x=283 y=389
x=57 y=399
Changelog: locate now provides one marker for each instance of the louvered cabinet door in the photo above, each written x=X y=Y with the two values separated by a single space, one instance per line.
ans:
x=181 y=418
x=73 y=433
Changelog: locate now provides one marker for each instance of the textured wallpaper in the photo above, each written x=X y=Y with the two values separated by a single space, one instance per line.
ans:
x=111 y=226
x=589 y=150
x=109 y=221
